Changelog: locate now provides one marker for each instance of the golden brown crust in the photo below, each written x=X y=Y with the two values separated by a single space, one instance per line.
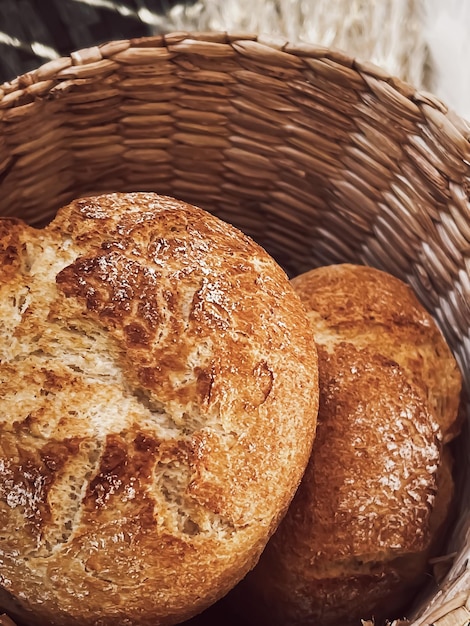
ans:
x=355 y=540
x=370 y=445
x=158 y=410
x=367 y=306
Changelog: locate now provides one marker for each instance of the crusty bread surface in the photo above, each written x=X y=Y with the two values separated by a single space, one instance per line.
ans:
x=158 y=407
x=377 y=490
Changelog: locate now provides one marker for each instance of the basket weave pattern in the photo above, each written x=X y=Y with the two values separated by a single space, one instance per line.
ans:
x=319 y=157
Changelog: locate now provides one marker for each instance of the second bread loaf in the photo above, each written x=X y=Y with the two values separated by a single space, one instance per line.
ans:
x=355 y=542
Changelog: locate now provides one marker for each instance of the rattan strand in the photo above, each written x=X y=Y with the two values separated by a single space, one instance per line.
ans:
x=318 y=156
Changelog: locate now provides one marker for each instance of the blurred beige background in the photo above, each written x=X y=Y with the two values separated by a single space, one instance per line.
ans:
x=426 y=42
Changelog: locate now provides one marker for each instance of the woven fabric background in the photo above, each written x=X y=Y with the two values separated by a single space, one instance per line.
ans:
x=35 y=31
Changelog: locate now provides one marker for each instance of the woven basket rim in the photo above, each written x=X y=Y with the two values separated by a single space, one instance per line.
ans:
x=210 y=42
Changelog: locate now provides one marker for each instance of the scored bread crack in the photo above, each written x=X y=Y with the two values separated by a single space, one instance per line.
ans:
x=81 y=394
x=75 y=391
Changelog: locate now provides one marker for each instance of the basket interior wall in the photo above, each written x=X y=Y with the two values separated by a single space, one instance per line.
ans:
x=318 y=158
x=307 y=155
x=319 y=166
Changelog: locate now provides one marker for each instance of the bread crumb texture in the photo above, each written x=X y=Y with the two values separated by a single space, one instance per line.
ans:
x=158 y=407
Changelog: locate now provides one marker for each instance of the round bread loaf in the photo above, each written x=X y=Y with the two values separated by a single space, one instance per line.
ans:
x=158 y=406
x=356 y=540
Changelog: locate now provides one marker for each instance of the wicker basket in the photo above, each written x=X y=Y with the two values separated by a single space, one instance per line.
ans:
x=321 y=158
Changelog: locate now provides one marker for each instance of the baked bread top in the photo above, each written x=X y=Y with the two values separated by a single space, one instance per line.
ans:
x=159 y=399
x=372 y=308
